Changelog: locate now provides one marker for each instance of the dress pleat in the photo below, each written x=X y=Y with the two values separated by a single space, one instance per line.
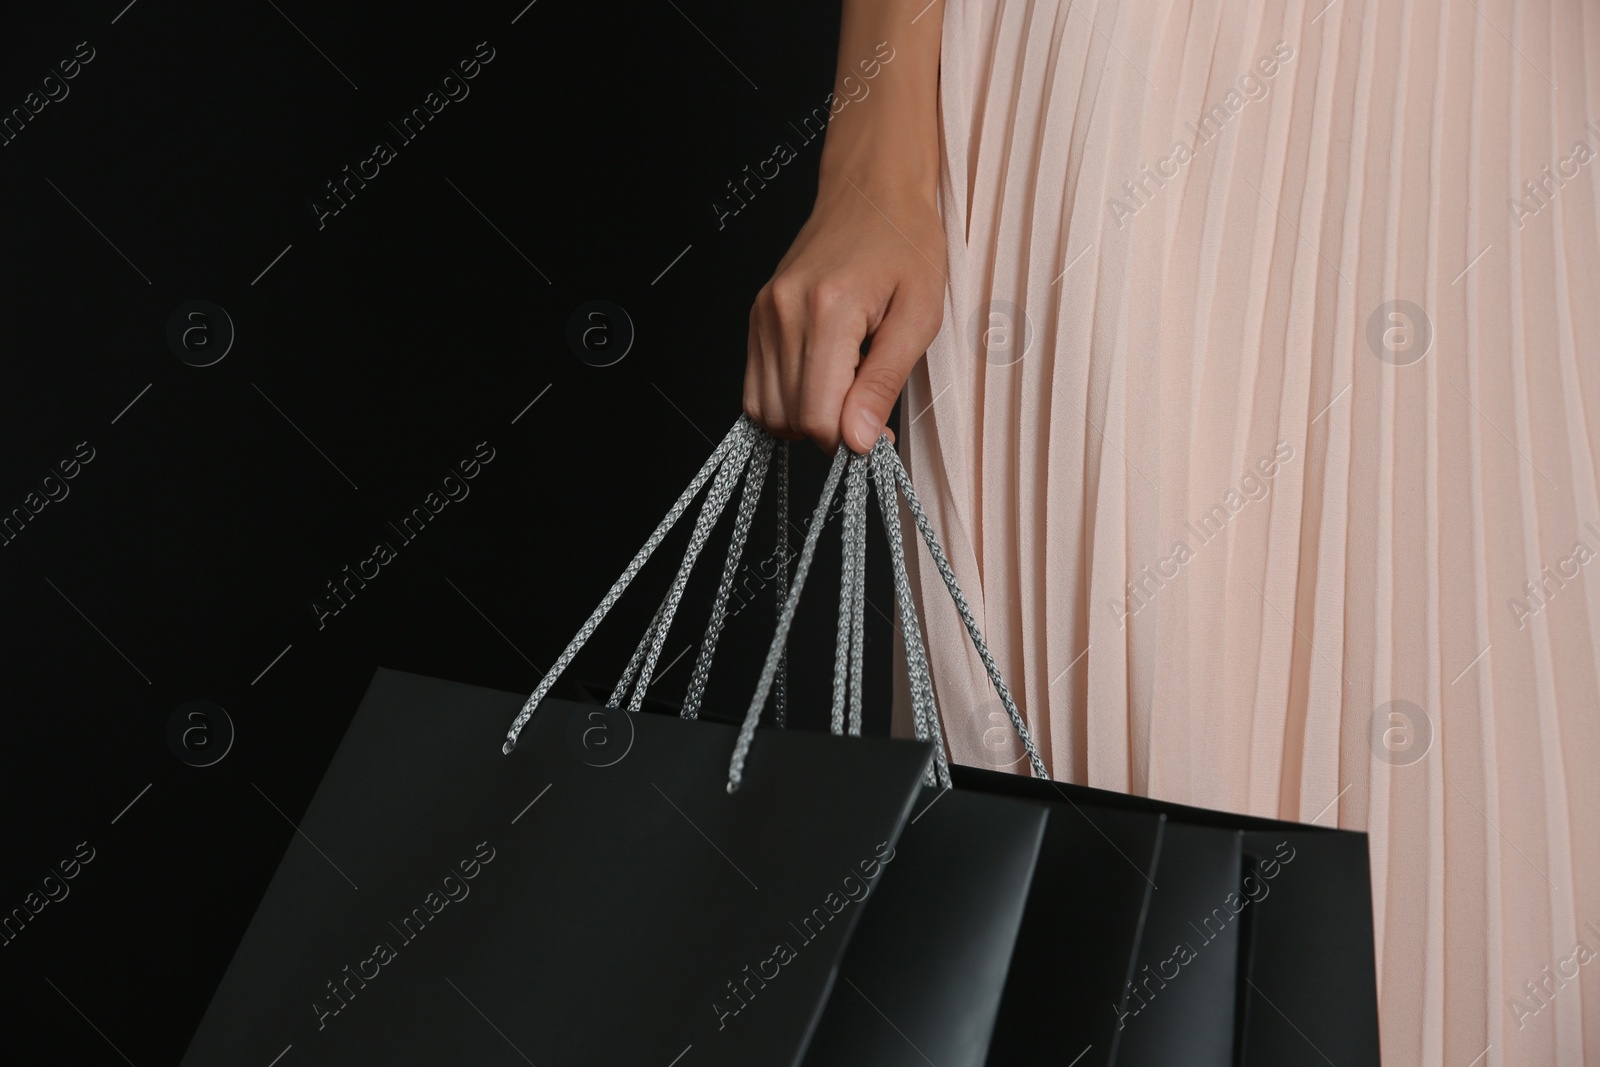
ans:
x=1263 y=434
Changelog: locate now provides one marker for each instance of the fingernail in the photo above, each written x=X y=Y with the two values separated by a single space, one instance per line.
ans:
x=869 y=427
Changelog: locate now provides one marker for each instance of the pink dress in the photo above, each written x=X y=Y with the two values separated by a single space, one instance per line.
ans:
x=1263 y=432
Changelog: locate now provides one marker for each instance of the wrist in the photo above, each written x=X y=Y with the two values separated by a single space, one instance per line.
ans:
x=881 y=171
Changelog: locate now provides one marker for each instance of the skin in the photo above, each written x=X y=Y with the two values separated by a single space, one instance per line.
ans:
x=868 y=267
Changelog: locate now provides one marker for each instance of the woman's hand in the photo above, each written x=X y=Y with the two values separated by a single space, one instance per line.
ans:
x=860 y=268
x=869 y=264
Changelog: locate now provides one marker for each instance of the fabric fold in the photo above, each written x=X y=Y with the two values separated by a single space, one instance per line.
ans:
x=1282 y=499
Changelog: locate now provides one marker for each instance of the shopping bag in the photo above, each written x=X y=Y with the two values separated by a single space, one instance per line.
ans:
x=921 y=979
x=1178 y=935
x=601 y=855
x=577 y=904
x=601 y=886
x=1217 y=939
x=1178 y=1002
x=1308 y=951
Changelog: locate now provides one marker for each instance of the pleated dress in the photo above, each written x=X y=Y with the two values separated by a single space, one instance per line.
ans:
x=1262 y=432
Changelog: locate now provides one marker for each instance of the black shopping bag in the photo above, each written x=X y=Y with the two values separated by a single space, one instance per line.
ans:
x=592 y=899
x=922 y=977
x=624 y=888
x=1177 y=1004
x=648 y=907
x=1153 y=933
x=1187 y=935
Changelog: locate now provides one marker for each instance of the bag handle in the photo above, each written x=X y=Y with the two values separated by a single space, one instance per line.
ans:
x=780 y=701
x=650 y=647
x=852 y=596
x=848 y=648
x=888 y=461
x=743 y=430
x=887 y=468
x=925 y=714
x=754 y=481
x=723 y=468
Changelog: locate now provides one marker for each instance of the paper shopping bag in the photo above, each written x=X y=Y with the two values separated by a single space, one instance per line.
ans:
x=921 y=979
x=598 y=896
x=1217 y=939
x=1177 y=1004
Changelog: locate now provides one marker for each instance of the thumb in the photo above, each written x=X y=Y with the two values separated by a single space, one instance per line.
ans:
x=896 y=345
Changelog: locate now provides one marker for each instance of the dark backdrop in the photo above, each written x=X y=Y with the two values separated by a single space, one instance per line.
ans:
x=178 y=499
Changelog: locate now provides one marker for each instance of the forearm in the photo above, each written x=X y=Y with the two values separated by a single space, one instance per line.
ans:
x=885 y=141
x=864 y=266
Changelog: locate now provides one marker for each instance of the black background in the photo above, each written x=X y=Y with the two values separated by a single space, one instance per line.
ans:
x=369 y=358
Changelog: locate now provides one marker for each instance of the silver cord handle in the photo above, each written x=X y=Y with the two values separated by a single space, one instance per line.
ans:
x=744 y=446
x=889 y=474
x=743 y=430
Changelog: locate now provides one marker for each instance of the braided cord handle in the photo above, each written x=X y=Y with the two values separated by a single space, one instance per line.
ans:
x=890 y=461
x=780 y=701
x=925 y=715
x=848 y=648
x=888 y=474
x=769 y=670
x=754 y=482
x=852 y=597
x=645 y=657
x=742 y=432
x=746 y=445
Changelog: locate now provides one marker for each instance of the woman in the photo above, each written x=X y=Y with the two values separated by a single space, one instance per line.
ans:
x=1260 y=414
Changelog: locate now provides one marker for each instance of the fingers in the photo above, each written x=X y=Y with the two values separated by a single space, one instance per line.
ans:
x=837 y=324
x=900 y=340
x=804 y=374
x=753 y=384
x=765 y=393
x=804 y=344
x=787 y=328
